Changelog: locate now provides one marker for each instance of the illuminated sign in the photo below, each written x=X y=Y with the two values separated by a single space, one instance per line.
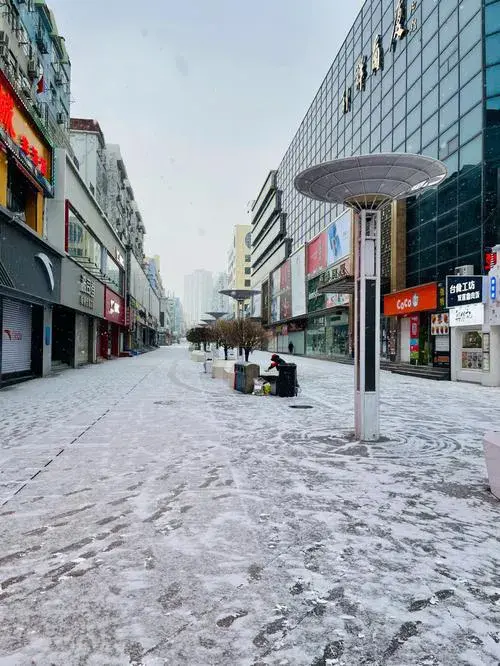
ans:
x=463 y=290
x=493 y=288
x=18 y=130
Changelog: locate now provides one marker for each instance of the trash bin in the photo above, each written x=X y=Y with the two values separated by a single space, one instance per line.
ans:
x=286 y=385
x=244 y=374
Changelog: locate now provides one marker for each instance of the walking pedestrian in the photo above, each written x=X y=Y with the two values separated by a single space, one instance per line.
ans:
x=290 y=347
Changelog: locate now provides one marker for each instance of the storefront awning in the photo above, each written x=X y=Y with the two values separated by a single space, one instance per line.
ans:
x=344 y=285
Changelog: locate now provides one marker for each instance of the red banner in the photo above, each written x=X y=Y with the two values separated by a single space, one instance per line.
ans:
x=316 y=254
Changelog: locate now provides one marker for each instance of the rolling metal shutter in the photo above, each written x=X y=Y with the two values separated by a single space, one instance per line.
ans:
x=16 y=337
x=82 y=339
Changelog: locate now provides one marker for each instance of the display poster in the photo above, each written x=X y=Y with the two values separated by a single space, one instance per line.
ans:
x=440 y=323
x=298 y=282
x=317 y=254
x=339 y=238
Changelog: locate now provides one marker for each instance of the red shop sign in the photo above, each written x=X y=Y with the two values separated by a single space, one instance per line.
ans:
x=114 y=307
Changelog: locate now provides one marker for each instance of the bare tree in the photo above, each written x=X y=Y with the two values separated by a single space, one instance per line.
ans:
x=248 y=335
x=223 y=335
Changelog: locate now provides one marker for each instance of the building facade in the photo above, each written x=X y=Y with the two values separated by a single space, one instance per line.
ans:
x=198 y=296
x=416 y=76
x=239 y=262
x=32 y=102
x=221 y=303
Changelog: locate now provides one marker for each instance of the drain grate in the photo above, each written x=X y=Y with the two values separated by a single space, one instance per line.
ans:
x=300 y=406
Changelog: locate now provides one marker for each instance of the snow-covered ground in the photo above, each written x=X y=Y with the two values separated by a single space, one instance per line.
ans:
x=153 y=516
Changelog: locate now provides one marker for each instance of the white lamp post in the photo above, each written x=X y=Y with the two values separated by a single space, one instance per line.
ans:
x=366 y=184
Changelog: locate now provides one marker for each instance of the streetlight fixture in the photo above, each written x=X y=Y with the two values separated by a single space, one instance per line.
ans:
x=365 y=184
x=240 y=296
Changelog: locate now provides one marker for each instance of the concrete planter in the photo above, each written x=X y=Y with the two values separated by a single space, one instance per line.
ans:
x=492 y=456
x=219 y=367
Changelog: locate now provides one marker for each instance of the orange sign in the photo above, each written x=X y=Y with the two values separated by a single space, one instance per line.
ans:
x=407 y=302
x=19 y=128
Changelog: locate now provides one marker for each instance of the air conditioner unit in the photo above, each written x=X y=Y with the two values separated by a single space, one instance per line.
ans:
x=32 y=68
x=464 y=270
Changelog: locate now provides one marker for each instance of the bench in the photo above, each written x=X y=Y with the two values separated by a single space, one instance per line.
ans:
x=491 y=445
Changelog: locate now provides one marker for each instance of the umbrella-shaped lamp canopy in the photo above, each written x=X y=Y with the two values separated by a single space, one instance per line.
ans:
x=370 y=181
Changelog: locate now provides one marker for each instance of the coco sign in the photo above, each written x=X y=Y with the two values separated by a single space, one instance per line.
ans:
x=463 y=290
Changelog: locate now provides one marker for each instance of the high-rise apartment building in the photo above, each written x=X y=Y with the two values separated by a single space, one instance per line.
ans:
x=198 y=295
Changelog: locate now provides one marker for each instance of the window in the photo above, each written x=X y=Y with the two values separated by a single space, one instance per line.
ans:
x=493 y=81
x=472 y=350
x=471 y=93
x=448 y=113
x=247 y=271
x=113 y=272
x=493 y=49
x=248 y=258
x=247 y=283
x=471 y=123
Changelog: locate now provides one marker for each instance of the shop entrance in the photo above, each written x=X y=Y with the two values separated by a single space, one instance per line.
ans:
x=63 y=336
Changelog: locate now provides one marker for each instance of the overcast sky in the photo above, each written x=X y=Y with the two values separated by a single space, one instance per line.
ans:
x=204 y=97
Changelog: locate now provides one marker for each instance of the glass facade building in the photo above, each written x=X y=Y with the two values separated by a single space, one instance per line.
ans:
x=419 y=76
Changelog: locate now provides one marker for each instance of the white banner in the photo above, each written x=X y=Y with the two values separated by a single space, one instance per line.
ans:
x=298 y=270
x=467 y=315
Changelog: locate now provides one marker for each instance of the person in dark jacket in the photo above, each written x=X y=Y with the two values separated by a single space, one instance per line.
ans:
x=290 y=347
x=276 y=361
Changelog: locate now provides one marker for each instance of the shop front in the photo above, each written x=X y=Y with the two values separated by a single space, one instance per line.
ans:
x=82 y=296
x=467 y=344
x=327 y=331
x=414 y=310
x=25 y=161
x=111 y=332
x=30 y=282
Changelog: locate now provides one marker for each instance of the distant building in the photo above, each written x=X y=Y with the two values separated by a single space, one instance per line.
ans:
x=152 y=269
x=239 y=260
x=121 y=207
x=89 y=145
x=198 y=295
x=220 y=302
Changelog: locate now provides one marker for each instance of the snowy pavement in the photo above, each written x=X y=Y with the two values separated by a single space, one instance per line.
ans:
x=152 y=516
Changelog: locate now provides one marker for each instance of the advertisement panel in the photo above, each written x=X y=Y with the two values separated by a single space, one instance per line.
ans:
x=339 y=238
x=22 y=136
x=298 y=282
x=408 y=301
x=317 y=254
x=275 y=280
x=286 y=291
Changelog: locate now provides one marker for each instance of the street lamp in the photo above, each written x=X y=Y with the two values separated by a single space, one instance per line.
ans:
x=367 y=183
x=240 y=296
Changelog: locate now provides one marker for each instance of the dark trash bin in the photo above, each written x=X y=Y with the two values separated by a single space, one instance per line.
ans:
x=286 y=385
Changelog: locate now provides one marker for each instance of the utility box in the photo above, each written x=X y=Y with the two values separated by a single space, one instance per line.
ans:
x=244 y=374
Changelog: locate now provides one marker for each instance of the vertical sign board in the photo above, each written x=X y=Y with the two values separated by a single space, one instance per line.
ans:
x=414 y=337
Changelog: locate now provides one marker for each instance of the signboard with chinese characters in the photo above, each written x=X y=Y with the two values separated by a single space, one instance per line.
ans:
x=21 y=136
x=467 y=315
x=461 y=290
x=87 y=291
